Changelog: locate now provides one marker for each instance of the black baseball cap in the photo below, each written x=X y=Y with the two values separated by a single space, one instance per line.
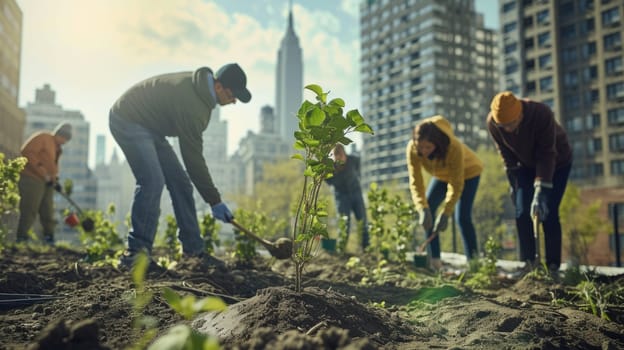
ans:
x=231 y=76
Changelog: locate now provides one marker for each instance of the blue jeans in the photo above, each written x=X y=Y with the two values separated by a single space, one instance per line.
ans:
x=436 y=193
x=154 y=165
x=525 y=178
x=347 y=202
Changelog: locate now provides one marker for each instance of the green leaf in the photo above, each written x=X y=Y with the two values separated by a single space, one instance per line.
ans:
x=210 y=304
x=308 y=172
x=315 y=117
x=315 y=88
x=355 y=115
x=365 y=128
x=299 y=145
x=297 y=156
x=337 y=102
x=172 y=297
x=345 y=140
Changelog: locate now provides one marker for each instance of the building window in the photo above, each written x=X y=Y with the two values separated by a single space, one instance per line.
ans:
x=568 y=55
x=596 y=169
x=568 y=32
x=617 y=167
x=588 y=49
x=585 y=5
x=587 y=26
x=545 y=61
x=511 y=48
x=511 y=68
x=616 y=116
x=612 y=41
x=592 y=121
x=529 y=43
x=543 y=17
x=570 y=79
x=614 y=66
x=509 y=6
x=615 y=91
x=509 y=27
x=529 y=64
x=594 y=146
x=591 y=97
x=543 y=40
x=528 y=22
x=616 y=142
x=530 y=87
x=546 y=84
x=566 y=9
x=590 y=73
x=610 y=17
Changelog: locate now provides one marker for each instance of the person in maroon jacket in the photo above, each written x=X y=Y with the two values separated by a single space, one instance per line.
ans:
x=538 y=160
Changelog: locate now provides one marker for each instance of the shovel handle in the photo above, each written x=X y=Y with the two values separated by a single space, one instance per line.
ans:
x=252 y=235
x=424 y=245
x=536 y=227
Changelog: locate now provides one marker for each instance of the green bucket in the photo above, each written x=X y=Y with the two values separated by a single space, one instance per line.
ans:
x=328 y=244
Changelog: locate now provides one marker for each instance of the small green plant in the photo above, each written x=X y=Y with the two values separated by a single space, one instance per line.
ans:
x=9 y=192
x=343 y=234
x=143 y=326
x=102 y=244
x=172 y=245
x=245 y=247
x=390 y=240
x=209 y=230
x=321 y=126
x=183 y=336
x=484 y=277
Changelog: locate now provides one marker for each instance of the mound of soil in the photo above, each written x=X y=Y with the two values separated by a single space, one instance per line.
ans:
x=82 y=306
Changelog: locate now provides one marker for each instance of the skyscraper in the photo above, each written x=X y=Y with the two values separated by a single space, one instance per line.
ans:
x=569 y=55
x=100 y=149
x=289 y=82
x=12 y=118
x=420 y=59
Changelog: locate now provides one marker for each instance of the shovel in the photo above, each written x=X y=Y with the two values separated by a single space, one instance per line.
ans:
x=87 y=224
x=281 y=249
x=536 y=236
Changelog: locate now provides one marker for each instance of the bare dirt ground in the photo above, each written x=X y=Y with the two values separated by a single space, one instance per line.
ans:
x=409 y=308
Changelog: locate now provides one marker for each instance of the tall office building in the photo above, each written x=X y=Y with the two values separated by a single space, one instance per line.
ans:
x=568 y=54
x=289 y=82
x=257 y=150
x=422 y=58
x=46 y=114
x=100 y=149
x=12 y=118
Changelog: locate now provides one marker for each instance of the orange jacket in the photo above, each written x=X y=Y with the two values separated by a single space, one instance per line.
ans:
x=42 y=152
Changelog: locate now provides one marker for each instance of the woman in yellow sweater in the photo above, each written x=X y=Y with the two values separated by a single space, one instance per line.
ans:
x=455 y=171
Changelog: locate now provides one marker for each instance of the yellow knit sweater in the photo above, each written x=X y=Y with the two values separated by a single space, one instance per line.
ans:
x=460 y=163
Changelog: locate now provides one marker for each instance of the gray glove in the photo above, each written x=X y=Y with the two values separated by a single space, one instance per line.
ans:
x=441 y=223
x=425 y=219
x=539 y=205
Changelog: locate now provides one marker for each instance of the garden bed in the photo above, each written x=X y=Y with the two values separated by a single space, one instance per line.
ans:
x=400 y=307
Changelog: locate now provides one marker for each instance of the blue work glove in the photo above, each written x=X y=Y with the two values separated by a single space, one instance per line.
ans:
x=539 y=205
x=441 y=223
x=222 y=212
x=425 y=219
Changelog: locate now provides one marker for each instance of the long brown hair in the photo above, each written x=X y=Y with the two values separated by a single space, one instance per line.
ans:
x=428 y=131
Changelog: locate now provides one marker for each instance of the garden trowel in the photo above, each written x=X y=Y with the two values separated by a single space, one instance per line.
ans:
x=281 y=249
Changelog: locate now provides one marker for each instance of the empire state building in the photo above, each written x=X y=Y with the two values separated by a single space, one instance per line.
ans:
x=289 y=84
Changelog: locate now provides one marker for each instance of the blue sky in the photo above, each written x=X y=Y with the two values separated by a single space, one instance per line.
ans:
x=90 y=52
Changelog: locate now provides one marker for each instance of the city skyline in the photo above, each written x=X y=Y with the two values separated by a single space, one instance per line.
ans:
x=91 y=60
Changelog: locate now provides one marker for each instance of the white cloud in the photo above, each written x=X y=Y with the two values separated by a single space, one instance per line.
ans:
x=92 y=51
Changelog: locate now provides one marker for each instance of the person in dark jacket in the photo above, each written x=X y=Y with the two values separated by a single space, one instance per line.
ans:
x=538 y=159
x=347 y=190
x=39 y=179
x=180 y=105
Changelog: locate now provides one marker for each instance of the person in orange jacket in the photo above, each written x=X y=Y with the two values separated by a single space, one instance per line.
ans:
x=455 y=171
x=39 y=179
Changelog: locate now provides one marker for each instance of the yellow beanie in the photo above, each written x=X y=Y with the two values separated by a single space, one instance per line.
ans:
x=505 y=108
